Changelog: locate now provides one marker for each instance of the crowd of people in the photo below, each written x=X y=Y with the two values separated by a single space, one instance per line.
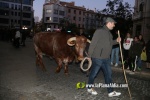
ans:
x=133 y=50
x=14 y=35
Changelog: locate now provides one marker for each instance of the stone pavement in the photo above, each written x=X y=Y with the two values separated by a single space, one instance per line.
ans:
x=20 y=79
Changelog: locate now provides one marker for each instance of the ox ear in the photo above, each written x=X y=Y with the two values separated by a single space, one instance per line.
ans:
x=88 y=41
x=71 y=41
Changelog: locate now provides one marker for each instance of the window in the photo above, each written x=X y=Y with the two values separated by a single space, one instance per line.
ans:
x=15 y=7
x=12 y=13
x=15 y=13
x=55 y=11
x=28 y=2
x=11 y=20
x=4 y=12
x=12 y=6
x=48 y=11
x=74 y=18
x=74 y=11
x=48 y=18
x=27 y=15
x=69 y=10
x=26 y=8
x=141 y=7
x=79 y=25
x=4 y=20
x=25 y=22
x=61 y=13
x=79 y=12
x=55 y=19
x=19 y=7
x=79 y=18
x=4 y=5
x=19 y=14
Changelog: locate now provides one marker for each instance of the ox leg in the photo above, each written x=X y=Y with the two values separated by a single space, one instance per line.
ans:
x=40 y=62
x=37 y=61
x=66 y=68
x=59 y=62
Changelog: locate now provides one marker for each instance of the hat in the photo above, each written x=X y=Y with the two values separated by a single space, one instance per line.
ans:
x=108 y=19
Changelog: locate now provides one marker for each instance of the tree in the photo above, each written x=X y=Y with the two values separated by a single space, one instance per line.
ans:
x=122 y=14
x=68 y=27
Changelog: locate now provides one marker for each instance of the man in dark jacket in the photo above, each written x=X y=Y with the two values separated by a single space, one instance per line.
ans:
x=100 y=50
x=135 y=53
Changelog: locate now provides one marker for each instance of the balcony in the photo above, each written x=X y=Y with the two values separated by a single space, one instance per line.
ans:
x=137 y=16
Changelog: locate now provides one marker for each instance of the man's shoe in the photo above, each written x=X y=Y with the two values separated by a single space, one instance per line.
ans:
x=139 y=68
x=131 y=73
x=116 y=65
x=92 y=91
x=111 y=63
x=114 y=93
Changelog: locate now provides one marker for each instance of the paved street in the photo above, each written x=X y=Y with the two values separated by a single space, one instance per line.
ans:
x=20 y=79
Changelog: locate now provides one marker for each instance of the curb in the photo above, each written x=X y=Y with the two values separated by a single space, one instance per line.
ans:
x=136 y=73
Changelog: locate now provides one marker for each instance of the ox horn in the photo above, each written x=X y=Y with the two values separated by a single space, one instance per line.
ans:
x=88 y=41
x=70 y=41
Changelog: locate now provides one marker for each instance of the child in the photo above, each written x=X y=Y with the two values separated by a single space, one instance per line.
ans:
x=126 y=45
x=135 y=53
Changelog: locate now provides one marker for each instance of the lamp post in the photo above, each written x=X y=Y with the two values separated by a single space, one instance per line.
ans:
x=20 y=15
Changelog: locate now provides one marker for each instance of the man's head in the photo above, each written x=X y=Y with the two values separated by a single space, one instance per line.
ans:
x=136 y=38
x=110 y=23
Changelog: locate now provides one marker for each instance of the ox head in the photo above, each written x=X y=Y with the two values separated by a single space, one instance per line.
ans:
x=79 y=42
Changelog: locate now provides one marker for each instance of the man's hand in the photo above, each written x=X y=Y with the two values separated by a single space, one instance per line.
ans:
x=118 y=39
x=88 y=58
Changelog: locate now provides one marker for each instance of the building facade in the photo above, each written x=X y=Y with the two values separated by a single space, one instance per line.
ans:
x=141 y=19
x=16 y=13
x=75 y=14
x=55 y=10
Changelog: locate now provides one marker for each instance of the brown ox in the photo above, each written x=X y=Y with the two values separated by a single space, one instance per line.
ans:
x=61 y=46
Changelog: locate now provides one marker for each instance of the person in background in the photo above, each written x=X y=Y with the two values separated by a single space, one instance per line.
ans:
x=135 y=53
x=99 y=51
x=141 y=40
x=126 y=45
x=17 y=38
x=115 y=51
x=23 y=38
x=148 y=54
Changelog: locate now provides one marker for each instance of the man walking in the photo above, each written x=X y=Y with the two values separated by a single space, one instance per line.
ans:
x=99 y=51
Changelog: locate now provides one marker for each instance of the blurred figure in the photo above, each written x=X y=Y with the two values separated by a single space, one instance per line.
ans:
x=17 y=39
x=148 y=54
x=126 y=45
x=141 y=40
x=135 y=53
x=115 y=51
x=23 y=38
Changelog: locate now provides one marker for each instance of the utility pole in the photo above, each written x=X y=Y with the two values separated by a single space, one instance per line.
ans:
x=21 y=15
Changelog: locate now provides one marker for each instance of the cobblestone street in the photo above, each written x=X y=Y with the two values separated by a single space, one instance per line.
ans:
x=20 y=79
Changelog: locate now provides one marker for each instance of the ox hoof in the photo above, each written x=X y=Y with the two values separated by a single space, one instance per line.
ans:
x=44 y=70
x=57 y=71
x=66 y=74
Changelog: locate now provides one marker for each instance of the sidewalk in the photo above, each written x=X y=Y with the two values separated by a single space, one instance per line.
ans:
x=144 y=72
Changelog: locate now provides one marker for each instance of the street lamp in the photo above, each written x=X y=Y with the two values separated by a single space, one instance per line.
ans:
x=24 y=28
